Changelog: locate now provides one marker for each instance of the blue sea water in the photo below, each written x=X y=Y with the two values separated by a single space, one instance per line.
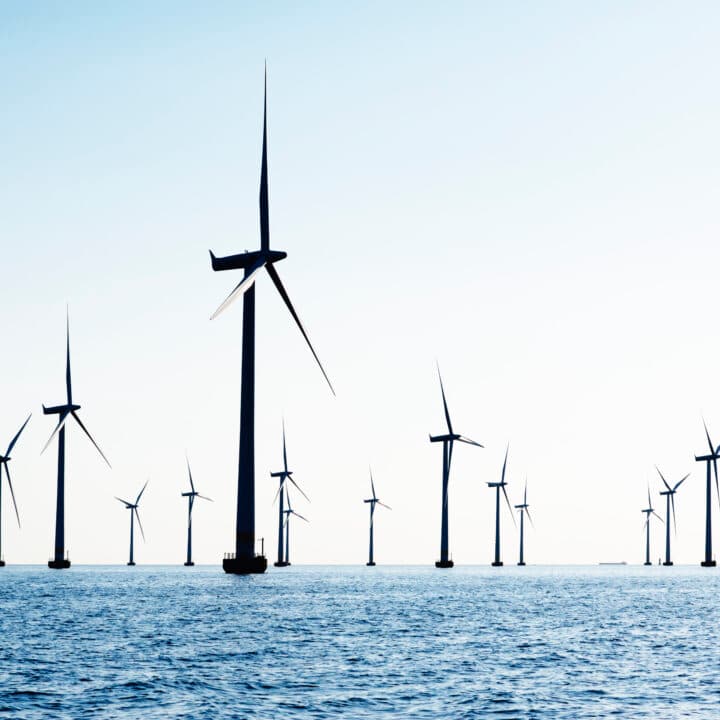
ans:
x=358 y=642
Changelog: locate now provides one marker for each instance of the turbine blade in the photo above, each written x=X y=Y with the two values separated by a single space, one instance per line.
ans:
x=300 y=516
x=299 y=488
x=12 y=492
x=137 y=515
x=192 y=487
x=68 y=380
x=384 y=505
x=507 y=450
x=372 y=485
x=525 y=493
x=467 y=440
x=264 y=205
x=527 y=510
x=445 y=407
x=282 y=485
x=649 y=501
x=85 y=430
x=284 y=447
x=283 y=294
x=681 y=482
x=205 y=498
x=17 y=435
x=707 y=435
x=450 y=452
x=717 y=485
x=663 y=478
x=672 y=502
x=61 y=421
x=507 y=500
x=141 y=492
x=658 y=517
x=241 y=287
x=123 y=501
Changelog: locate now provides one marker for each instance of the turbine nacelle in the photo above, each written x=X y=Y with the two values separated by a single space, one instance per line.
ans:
x=245 y=260
x=60 y=409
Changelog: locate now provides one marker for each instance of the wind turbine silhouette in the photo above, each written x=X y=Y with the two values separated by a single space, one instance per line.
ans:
x=288 y=513
x=133 y=508
x=244 y=560
x=498 y=486
x=649 y=510
x=191 y=501
x=709 y=460
x=284 y=476
x=60 y=559
x=670 y=500
x=373 y=502
x=4 y=460
x=447 y=440
x=524 y=509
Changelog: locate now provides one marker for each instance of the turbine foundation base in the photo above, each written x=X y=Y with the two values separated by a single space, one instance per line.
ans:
x=189 y=564
x=444 y=564
x=521 y=563
x=130 y=564
x=667 y=563
x=647 y=563
x=2 y=563
x=281 y=563
x=370 y=564
x=708 y=563
x=245 y=565
x=498 y=563
x=59 y=564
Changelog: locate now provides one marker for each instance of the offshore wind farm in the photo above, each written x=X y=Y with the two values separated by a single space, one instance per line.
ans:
x=503 y=193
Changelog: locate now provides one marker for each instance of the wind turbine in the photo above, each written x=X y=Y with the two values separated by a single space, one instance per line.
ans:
x=4 y=460
x=649 y=510
x=69 y=409
x=498 y=486
x=288 y=513
x=524 y=509
x=191 y=501
x=245 y=560
x=133 y=508
x=670 y=500
x=709 y=460
x=447 y=440
x=284 y=476
x=373 y=502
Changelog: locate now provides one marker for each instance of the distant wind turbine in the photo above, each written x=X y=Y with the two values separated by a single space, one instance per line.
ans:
x=288 y=513
x=447 y=440
x=191 y=501
x=670 y=500
x=649 y=510
x=709 y=460
x=373 y=502
x=133 y=508
x=284 y=476
x=500 y=486
x=60 y=559
x=524 y=509
x=245 y=560
x=4 y=460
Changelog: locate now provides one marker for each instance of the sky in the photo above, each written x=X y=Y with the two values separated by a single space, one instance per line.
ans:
x=525 y=193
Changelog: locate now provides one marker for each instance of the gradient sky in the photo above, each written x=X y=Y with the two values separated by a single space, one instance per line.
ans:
x=526 y=192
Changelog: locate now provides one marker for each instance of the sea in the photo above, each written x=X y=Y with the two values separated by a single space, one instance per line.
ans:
x=359 y=642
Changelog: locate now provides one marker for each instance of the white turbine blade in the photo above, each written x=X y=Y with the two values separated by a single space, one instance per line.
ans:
x=187 y=460
x=61 y=421
x=299 y=488
x=137 y=515
x=279 y=490
x=467 y=440
x=384 y=505
x=241 y=287
x=507 y=500
x=85 y=430
x=141 y=492
x=125 y=502
x=12 y=493
x=663 y=478
x=17 y=435
x=300 y=516
x=205 y=498
x=658 y=517
x=445 y=406
x=681 y=482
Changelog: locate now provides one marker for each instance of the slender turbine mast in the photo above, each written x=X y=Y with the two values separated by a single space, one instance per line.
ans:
x=288 y=513
x=524 y=509
x=497 y=562
x=191 y=501
x=60 y=559
x=133 y=508
x=649 y=510
x=670 y=501
x=373 y=502
x=4 y=460
x=709 y=460
x=244 y=560
x=447 y=440
x=284 y=476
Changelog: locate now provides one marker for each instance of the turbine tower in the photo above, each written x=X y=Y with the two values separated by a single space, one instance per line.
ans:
x=498 y=486
x=191 y=501
x=60 y=559
x=133 y=508
x=244 y=560
x=373 y=502
x=670 y=500
x=709 y=460
x=447 y=440
x=524 y=509
x=4 y=460
x=284 y=476
x=649 y=510
x=288 y=513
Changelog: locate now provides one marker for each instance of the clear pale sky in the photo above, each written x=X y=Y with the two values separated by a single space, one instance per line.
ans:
x=526 y=192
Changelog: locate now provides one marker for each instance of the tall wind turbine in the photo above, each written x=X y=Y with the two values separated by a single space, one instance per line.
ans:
x=670 y=500
x=69 y=409
x=709 y=460
x=524 y=509
x=373 y=502
x=649 y=510
x=284 y=476
x=244 y=560
x=447 y=440
x=191 y=501
x=4 y=460
x=133 y=508
x=498 y=486
x=288 y=513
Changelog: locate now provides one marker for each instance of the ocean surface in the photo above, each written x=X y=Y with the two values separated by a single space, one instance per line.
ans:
x=358 y=642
